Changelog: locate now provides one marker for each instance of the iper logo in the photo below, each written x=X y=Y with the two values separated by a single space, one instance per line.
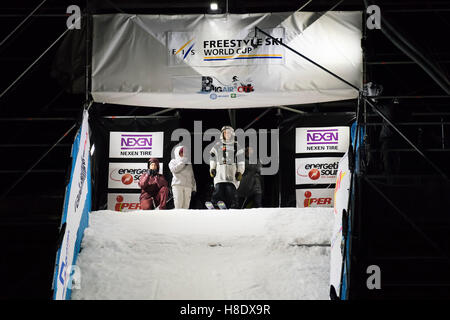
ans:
x=321 y=137
x=123 y=206
x=310 y=201
x=136 y=142
x=182 y=51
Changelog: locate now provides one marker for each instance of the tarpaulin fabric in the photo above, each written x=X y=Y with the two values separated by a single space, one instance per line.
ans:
x=221 y=61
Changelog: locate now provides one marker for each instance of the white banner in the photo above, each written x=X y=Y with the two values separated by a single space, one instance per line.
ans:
x=217 y=61
x=316 y=170
x=123 y=201
x=314 y=198
x=126 y=175
x=210 y=49
x=77 y=202
x=323 y=139
x=136 y=144
x=341 y=195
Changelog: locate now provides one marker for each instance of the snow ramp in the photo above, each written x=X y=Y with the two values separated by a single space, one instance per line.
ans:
x=251 y=254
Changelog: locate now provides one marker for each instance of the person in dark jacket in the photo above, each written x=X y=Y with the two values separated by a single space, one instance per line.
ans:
x=154 y=187
x=251 y=186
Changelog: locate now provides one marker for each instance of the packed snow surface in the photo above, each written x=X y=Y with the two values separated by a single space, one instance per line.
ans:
x=262 y=254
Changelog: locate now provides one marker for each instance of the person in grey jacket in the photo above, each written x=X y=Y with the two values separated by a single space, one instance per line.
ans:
x=183 y=180
x=226 y=166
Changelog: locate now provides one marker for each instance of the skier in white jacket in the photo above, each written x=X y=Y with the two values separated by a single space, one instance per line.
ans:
x=226 y=166
x=183 y=181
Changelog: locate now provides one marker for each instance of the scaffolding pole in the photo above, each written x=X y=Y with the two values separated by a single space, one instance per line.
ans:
x=368 y=101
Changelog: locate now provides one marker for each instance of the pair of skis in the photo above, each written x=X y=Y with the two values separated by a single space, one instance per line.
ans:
x=220 y=204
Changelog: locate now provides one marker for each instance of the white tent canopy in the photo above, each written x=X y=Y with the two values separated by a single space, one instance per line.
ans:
x=217 y=61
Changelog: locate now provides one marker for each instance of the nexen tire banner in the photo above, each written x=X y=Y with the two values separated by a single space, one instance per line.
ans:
x=322 y=140
x=136 y=144
x=126 y=175
x=314 y=198
x=217 y=61
x=123 y=201
x=316 y=170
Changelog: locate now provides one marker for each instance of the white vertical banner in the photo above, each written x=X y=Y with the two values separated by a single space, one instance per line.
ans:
x=341 y=197
x=77 y=204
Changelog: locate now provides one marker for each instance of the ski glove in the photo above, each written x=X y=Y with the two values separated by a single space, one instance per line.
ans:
x=238 y=176
x=212 y=173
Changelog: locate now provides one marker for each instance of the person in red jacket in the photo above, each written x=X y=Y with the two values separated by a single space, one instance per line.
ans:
x=154 y=187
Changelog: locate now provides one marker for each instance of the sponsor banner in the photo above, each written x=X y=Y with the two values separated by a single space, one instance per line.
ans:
x=77 y=205
x=316 y=170
x=165 y=61
x=136 y=144
x=123 y=201
x=212 y=49
x=320 y=140
x=341 y=196
x=126 y=175
x=314 y=198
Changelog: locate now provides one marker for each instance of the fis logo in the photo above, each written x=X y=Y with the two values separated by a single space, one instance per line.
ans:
x=185 y=50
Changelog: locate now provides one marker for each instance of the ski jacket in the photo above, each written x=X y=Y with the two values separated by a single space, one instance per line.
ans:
x=227 y=158
x=251 y=180
x=151 y=184
x=182 y=172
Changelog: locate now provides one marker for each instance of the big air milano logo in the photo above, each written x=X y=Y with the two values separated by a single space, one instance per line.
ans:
x=217 y=89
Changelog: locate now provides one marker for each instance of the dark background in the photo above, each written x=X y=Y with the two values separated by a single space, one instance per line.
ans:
x=41 y=108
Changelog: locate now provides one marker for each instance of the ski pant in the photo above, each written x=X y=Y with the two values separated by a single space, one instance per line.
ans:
x=226 y=192
x=256 y=197
x=181 y=197
x=150 y=203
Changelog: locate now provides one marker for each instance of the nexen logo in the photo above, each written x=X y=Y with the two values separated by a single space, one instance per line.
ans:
x=327 y=136
x=128 y=141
